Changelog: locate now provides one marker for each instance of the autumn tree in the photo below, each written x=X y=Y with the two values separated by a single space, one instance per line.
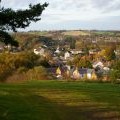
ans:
x=84 y=63
x=18 y=63
x=71 y=41
x=115 y=71
x=110 y=53
x=81 y=62
x=13 y=19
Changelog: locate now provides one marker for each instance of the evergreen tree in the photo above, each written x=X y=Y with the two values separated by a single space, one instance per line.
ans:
x=12 y=20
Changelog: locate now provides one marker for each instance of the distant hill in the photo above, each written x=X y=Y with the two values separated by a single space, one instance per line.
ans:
x=32 y=39
x=76 y=33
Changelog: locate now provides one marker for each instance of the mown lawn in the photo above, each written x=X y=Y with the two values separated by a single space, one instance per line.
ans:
x=60 y=100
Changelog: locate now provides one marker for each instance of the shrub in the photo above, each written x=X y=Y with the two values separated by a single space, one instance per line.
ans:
x=5 y=71
x=114 y=75
x=38 y=73
x=22 y=66
x=17 y=77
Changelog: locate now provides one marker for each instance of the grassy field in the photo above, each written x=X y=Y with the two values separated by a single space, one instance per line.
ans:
x=60 y=100
x=76 y=33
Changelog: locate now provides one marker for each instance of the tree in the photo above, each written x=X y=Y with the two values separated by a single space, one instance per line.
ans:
x=84 y=63
x=109 y=53
x=72 y=41
x=12 y=20
x=115 y=71
x=7 y=39
x=114 y=75
x=116 y=65
x=81 y=62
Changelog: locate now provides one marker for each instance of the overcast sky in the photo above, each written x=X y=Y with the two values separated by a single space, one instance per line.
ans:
x=74 y=14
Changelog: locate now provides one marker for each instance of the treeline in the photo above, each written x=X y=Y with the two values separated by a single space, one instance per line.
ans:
x=22 y=66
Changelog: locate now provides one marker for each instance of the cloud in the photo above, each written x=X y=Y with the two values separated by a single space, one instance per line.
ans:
x=107 y=23
x=73 y=13
x=101 y=3
x=106 y=6
x=113 y=7
x=18 y=4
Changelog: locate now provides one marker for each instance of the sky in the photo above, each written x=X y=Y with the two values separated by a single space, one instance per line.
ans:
x=73 y=14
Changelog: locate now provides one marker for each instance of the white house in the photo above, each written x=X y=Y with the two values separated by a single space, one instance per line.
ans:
x=67 y=55
x=92 y=51
x=39 y=51
x=75 y=52
x=106 y=68
x=98 y=64
x=57 y=50
x=91 y=74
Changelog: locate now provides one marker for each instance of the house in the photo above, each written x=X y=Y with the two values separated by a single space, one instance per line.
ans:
x=84 y=73
x=106 y=68
x=93 y=51
x=91 y=75
x=117 y=53
x=61 y=72
x=58 y=71
x=98 y=64
x=79 y=73
x=58 y=50
x=67 y=55
x=76 y=74
x=75 y=52
x=39 y=51
x=102 y=69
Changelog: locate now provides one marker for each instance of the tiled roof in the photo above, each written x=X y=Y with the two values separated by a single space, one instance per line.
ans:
x=82 y=70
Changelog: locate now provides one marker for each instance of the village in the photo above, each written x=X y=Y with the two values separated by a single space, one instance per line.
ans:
x=79 y=64
x=59 y=60
x=75 y=55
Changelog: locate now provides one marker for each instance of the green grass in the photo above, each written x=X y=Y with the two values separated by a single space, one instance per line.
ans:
x=60 y=100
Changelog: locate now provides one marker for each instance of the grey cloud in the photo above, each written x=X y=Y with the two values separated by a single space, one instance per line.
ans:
x=101 y=3
x=107 y=23
x=106 y=6
x=113 y=7
x=75 y=5
x=59 y=9
x=67 y=5
x=18 y=4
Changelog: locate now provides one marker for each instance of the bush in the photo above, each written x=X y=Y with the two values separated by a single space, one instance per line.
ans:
x=16 y=77
x=38 y=73
x=11 y=63
x=114 y=75
x=22 y=70
x=22 y=66
x=25 y=59
x=5 y=71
